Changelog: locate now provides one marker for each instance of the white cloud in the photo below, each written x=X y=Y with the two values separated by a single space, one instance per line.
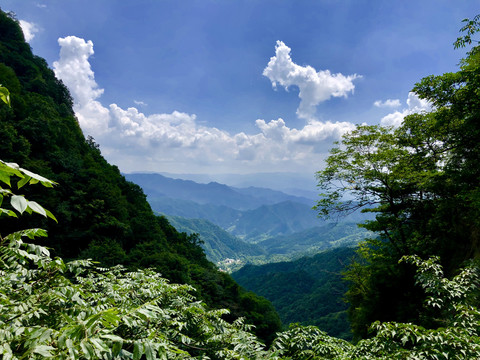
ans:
x=414 y=105
x=139 y=103
x=387 y=103
x=315 y=87
x=74 y=69
x=29 y=29
x=176 y=142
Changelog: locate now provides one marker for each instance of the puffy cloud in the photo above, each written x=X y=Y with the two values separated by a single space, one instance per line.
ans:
x=387 y=103
x=315 y=87
x=74 y=69
x=414 y=105
x=29 y=30
x=176 y=142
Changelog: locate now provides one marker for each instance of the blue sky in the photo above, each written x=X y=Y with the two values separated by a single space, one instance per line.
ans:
x=227 y=86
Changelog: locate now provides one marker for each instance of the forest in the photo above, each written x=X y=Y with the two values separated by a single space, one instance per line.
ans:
x=88 y=271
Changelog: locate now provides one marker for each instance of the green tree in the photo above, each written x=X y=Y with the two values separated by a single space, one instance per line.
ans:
x=421 y=180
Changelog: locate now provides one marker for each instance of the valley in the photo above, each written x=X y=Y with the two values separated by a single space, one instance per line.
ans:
x=249 y=225
x=272 y=243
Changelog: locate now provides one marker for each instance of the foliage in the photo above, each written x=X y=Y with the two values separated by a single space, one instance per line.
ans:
x=471 y=27
x=308 y=342
x=458 y=337
x=50 y=308
x=308 y=291
x=421 y=181
x=100 y=215
x=74 y=310
x=5 y=95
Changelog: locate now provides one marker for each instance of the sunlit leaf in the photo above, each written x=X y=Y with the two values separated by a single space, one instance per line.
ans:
x=5 y=95
x=19 y=203
x=37 y=208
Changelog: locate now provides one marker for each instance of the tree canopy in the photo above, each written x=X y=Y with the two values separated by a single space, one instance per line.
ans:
x=422 y=182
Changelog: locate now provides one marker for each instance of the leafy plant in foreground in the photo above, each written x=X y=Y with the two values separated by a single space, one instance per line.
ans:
x=73 y=310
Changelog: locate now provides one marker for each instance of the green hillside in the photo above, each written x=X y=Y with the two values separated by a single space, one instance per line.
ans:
x=217 y=243
x=316 y=239
x=100 y=214
x=220 y=215
x=307 y=291
x=230 y=253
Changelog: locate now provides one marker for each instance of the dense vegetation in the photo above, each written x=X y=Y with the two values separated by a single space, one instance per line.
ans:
x=50 y=308
x=308 y=291
x=422 y=181
x=100 y=215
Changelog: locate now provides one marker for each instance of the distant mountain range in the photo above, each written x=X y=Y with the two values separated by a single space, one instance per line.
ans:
x=287 y=182
x=253 y=224
x=157 y=186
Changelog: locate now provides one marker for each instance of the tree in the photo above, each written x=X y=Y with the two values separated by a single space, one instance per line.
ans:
x=421 y=180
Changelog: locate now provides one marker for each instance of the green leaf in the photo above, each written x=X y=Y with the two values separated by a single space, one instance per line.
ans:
x=5 y=177
x=37 y=208
x=32 y=233
x=8 y=212
x=149 y=351
x=19 y=203
x=137 y=351
x=43 y=350
x=11 y=168
x=87 y=350
x=38 y=178
x=116 y=348
x=5 y=95
x=50 y=215
x=23 y=181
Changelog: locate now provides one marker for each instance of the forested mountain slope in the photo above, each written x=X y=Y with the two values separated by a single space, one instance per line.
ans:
x=308 y=291
x=100 y=214
x=218 y=244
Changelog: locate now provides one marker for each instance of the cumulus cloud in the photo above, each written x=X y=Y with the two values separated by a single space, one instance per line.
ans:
x=387 y=103
x=414 y=105
x=74 y=69
x=29 y=30
x=175 y=141
x=315 y=87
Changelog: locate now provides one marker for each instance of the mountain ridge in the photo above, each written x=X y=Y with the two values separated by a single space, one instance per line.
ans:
x=157 y=185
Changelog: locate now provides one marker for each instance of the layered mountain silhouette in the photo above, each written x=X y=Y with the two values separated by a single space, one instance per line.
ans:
x=231 y=220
